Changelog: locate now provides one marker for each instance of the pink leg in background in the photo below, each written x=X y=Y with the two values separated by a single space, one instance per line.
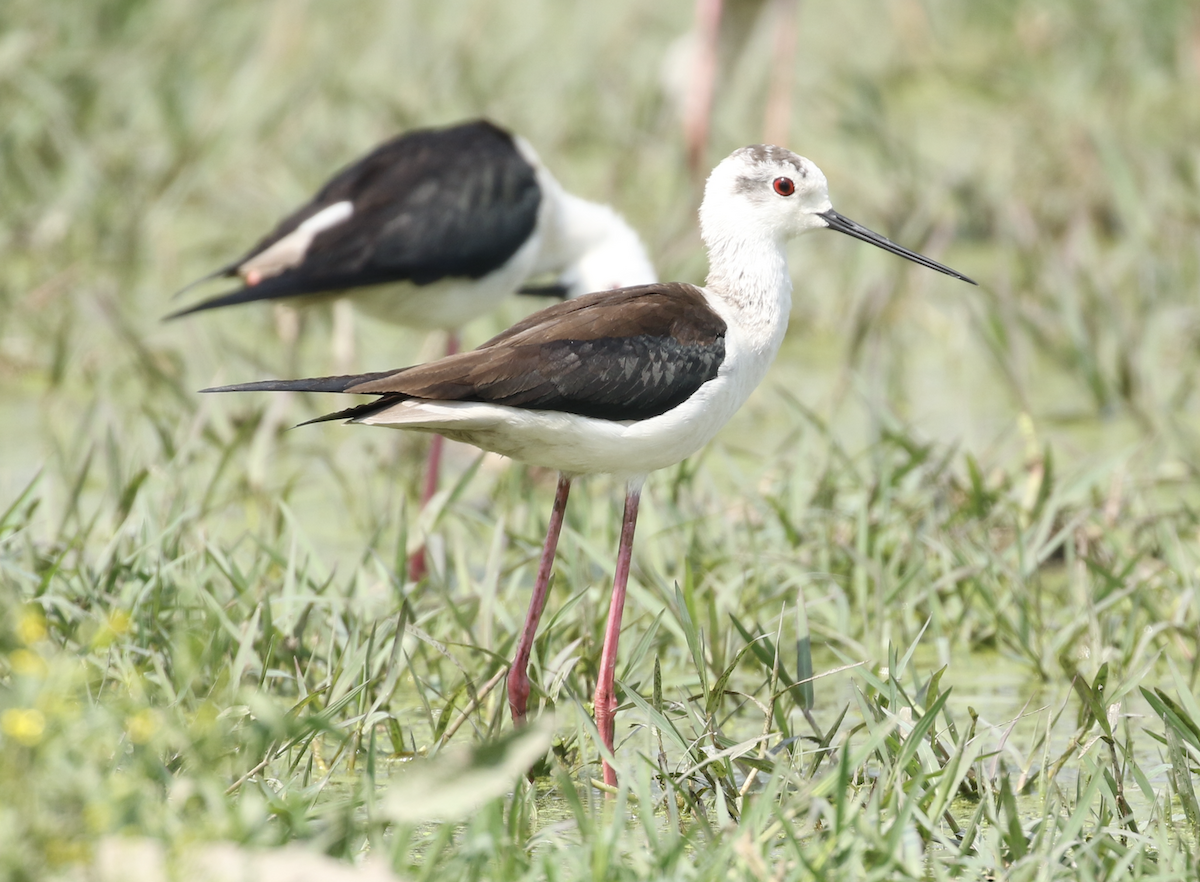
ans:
x=722 y=32
x=698 y=102
x=778 y=122
x=433 y=467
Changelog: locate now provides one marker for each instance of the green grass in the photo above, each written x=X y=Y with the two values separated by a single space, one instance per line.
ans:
x=970 y=514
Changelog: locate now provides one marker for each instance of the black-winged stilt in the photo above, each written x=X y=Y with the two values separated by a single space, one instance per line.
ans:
x=622 y=382
x=433 y=229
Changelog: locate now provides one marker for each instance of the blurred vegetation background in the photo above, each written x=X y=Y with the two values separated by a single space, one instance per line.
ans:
x=1000 y=480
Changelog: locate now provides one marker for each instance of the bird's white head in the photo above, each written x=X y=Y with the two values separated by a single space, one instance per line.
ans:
x=764 y=193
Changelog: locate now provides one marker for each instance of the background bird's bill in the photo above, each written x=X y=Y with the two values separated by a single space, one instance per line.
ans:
x=843 y=224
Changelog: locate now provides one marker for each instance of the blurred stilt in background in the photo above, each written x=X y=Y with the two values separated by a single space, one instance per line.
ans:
x=431 y=230
x=701 y=59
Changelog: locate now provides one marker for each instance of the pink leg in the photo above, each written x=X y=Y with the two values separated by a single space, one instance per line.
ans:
x=783 y=57
x=518 y=674
x=433 y=466
x=698 y=106
x=605 y=702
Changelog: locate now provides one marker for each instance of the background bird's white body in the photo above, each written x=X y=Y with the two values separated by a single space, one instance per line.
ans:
x=588 y=244
x=448 y=303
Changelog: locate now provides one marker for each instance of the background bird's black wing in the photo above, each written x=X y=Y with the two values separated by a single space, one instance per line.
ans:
x=428 y=205
x=431 y=204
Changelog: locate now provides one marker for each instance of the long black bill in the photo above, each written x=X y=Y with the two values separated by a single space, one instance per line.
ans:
x=843 y=224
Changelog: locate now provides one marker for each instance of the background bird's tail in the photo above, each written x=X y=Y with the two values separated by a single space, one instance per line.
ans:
x=249 y=294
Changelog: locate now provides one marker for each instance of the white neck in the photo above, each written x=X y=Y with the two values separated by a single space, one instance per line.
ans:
x=749 y=273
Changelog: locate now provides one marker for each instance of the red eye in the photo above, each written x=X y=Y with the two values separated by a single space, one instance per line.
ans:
x=784 y=186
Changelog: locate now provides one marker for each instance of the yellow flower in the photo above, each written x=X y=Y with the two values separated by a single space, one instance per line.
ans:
x=63 y=852
x=24 y=724
x=142 y=726
x=28 y=663
x=113 y=626
x=31 y=627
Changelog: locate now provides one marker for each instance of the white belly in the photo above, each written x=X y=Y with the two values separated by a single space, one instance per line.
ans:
x=449 y=303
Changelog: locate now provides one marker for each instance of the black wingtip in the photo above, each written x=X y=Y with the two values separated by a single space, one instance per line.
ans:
x=257 y=386
x=351 y=414
x=557 y=290
x=310 y=384
x=180 y=313
x=328 y=418
x=225 y=272
x=229 y=298
x=320 y=384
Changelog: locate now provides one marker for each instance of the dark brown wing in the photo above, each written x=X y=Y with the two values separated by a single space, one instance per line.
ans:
x=628 y=354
